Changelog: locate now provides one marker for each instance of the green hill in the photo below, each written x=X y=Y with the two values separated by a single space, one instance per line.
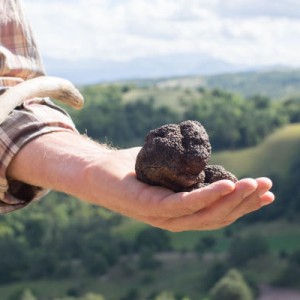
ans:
x=274 y=155
x=275 y=84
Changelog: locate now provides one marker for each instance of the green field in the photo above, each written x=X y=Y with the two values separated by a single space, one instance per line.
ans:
x=272 y=156
x=162 y=96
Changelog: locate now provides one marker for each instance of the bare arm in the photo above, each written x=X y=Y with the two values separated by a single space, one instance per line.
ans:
x=78 y=166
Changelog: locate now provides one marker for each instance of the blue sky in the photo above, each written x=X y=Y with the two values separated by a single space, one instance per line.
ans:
x=240 y=32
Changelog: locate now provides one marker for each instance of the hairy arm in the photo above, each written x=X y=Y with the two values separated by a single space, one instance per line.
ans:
x=92 y=172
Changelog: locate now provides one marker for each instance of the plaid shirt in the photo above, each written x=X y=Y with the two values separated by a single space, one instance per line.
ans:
x=20 y=60
x=19 y=56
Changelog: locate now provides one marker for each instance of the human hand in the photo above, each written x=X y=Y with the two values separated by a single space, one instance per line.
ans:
x=78 y=166
x=208 y=208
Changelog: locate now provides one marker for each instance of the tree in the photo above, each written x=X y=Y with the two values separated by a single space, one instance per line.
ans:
x=260 y=102
x=205 y=244
x=220 y=113
x=244 y=249
x=153 y=238
x=213 y=274
x=231 y=287
x=165 y=296
x=132 y=294
x=14 y=260
x=27 y=295
x=295 y=258
x=235 y=122
x=291 y=107
x=92 y=296
x=290 y=275
x=88 y=296
x=147 y=260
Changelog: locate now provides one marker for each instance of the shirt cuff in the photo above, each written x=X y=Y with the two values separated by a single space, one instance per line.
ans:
x=30 y=120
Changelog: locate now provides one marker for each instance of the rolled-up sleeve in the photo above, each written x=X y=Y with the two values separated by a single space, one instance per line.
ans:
x=31 y=120
x=20 y=60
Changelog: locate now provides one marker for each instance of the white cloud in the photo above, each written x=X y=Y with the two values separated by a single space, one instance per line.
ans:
x=237 y=31
x=252 y=8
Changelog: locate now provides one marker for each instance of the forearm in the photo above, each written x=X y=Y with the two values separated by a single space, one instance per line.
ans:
x=59 y=161
x=78 y=166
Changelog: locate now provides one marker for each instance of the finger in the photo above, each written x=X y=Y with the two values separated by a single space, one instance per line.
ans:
x=222 y=208
x=187 y=203
x=267 y=198
x=264 y=184
x=213 y=216
x=256 y=200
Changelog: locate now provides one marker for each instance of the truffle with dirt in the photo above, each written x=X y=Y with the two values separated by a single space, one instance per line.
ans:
x=177 y=156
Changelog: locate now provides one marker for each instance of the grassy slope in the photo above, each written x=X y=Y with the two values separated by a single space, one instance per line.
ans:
x=161 y=96
x=272 y=156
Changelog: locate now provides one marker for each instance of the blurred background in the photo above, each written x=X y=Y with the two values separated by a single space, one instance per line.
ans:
x=235 y=67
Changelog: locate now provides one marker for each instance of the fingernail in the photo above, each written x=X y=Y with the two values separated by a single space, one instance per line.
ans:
x=267 y=198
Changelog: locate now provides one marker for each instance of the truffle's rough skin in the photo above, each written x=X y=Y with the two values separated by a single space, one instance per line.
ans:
x=215 y=172
x=174 y=156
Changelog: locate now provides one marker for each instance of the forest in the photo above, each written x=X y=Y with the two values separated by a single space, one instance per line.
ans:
x=231 y=120
x=61 y=248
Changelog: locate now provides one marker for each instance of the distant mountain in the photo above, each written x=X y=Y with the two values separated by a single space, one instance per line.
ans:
x=96 y=71
x=185 y=70
x=274 y=83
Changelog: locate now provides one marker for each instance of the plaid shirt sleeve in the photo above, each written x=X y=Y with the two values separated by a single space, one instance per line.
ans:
x=20 y=60
x=19 y=55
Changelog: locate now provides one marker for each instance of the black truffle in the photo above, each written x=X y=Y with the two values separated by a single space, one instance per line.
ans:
x=214 y=173
x=176 y=157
